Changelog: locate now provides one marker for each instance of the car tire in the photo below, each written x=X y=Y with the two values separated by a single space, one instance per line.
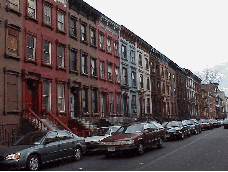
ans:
x=160 y=143
x=140 y=148
x=33 y=163
x=77 y=154
x=182 y=136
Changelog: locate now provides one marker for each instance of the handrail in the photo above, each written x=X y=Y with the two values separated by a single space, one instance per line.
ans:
x=55 y=120
x=38 y=122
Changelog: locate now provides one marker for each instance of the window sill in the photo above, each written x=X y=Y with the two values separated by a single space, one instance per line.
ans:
x=14 y=11
x=10 y=56
x=85 y=74
x=94 y=76
x=27 y=60
x=117 y=56
x=73 y=71
x=74 y=37
x=32 y=19
x=61 y=113
x=102 y=49
x=61 y=68
x=61 y=31
x=94 y=46
x=108 y=53
x=48 y=26
x=103 y=79
x=84 y=42
x=47 y=65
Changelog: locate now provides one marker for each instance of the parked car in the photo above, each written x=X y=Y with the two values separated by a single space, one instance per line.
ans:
x=225 y=123
x=92 y=142
x=215 y=123
x=37 y=148
x=220 y=121
x=133 y=137
x=194 y=126
x=177 y=129
x=206 y=124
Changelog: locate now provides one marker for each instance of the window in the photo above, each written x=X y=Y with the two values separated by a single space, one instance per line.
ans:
x=62 y=1
x=133 y=103
x=111 y=106
x=102 y=72
x=163 y=88
x=47 y=95
x=13 y=4
x=93 y=37
x=140 y=59
x=110 y=71
x=132 y=56
x=31 y=46
x=148 y=83
x=61 y=98
x=109 y=45
x=124 y=52
x=73 y=27
x=116 y=49
x=93 y=67
x=61 y=51
x=117 y=73
x=148 y=105
x=118 y=103
x=153 y=85
x=141 y=81
x=125 y=76
x=73 y=63
x=32 y=8
x=47 y=14
x=94 y=101
x=133 y=77
x=159 y=87
x=12 y=42
x=101 y=40
x=61 y=16
x=84 y=63
x=47 y=52
x=83 y=32
x=11 y=92
x=147 y=63
x=84 y=100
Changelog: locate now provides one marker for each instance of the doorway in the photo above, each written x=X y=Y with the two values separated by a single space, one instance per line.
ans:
x=74 y=103
x=31 y=95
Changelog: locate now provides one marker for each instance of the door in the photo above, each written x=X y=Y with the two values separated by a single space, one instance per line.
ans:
x=103 y=105
x=31 y=98
x=74 y=103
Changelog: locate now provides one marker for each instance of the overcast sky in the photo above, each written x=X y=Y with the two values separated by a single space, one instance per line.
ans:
x=192 y=33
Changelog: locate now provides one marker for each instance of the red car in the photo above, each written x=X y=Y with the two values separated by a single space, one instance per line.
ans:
x=134 y=137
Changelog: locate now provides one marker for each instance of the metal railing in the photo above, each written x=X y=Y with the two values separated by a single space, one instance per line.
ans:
x=9 y=134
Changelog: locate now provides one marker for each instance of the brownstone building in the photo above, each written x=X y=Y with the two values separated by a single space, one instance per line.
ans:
x=10 y=64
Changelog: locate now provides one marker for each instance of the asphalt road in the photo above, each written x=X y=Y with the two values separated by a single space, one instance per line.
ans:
x=206 y=151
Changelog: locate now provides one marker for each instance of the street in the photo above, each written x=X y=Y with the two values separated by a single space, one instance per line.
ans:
x=206 y=151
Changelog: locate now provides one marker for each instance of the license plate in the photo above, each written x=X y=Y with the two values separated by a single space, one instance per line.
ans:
x=111 y=149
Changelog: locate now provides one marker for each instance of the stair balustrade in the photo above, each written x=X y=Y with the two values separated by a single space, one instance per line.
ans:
x=54 y=119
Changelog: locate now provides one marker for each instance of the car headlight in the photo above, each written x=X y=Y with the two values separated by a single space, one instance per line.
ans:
x=13 y=156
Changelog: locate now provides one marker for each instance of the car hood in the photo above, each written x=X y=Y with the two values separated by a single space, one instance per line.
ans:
x=95 y=138
x=13 y=149
x=120 y=137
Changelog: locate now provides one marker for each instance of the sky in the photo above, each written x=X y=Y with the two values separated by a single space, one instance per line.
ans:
x=192 y=33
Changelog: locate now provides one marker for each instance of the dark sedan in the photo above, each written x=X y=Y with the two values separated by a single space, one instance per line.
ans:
x=206 y=124
x=177 y=129
x=133 y=137
x=37 y=148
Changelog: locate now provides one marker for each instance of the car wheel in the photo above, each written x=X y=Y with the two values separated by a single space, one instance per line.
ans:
x=160 y=144
x=182 y=136
x=140 y=148
x=77 y=154
x=33 y=163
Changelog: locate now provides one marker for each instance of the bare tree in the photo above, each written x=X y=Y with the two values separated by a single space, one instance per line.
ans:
x=209 y=76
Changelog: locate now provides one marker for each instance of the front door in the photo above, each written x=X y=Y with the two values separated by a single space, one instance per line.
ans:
x=74 y=103
x=31 y=97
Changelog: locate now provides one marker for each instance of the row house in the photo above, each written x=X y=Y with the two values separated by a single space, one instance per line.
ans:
x=44 y=57
x=143 y=75
x=83 y=71
x=10 y=67
x=128 y=68
x=109 y=68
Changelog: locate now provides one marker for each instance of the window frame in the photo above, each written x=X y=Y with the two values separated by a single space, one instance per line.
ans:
x=84 y=66
x=34 y=9
x=102 y=69
x=49 y=52
x=62 y=66
x=33 y=48
x=74 y=35
x=48 y=96
x=61 y=97
x=72 y=50
x=50 y=6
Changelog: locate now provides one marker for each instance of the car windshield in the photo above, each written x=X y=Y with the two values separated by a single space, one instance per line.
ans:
x=102 y=131
x=189 y=122
x=31 y=139
x=205 y=120
x=130 y=129
x=174 y=124
x=112 y=129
